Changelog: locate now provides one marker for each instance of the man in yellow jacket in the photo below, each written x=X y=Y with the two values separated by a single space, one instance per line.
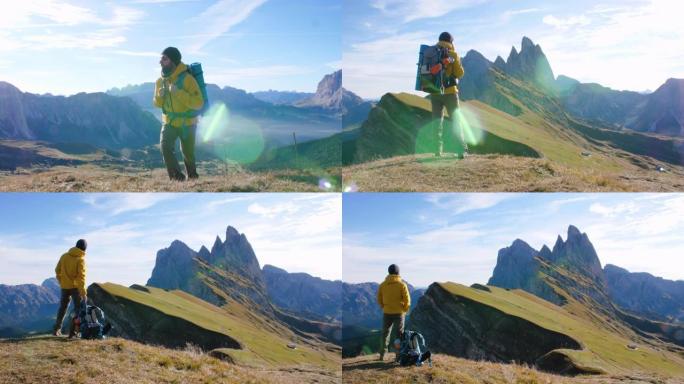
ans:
x=452 y=70
x=71 y=274
x=178 y=95
x=394 y=299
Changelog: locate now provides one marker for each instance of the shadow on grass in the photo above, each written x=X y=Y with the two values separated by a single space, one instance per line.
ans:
x=27 y=339
x=370 y=365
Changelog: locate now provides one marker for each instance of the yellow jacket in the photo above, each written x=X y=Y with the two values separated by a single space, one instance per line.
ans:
x=393 y=296
x=454 y=69
x=181 y=100
x=71 y=270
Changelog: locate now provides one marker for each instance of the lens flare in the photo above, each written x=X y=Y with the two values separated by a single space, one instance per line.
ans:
x=232 y=138
x=325 y=184
x=351 y=187
x=467 y=120
x=464 y=126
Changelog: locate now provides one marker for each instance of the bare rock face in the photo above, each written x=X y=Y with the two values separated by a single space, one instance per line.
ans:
x=462 y=327
x=530 y=64
x=572 y=264
x=230 y=271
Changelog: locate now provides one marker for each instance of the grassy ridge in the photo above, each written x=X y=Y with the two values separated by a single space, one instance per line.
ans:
x=261 y=347
x=603 y=351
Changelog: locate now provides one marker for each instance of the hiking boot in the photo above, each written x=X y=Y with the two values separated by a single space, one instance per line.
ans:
x=460 y=156
x=57 y=332
x=382 y=357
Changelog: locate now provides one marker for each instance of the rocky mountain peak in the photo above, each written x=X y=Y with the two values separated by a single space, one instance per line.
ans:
x=573 y=232
x=526 y=44
x=530 y=64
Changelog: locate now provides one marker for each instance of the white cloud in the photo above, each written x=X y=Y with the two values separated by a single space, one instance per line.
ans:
x=100 y=39
x=612 y=48
x=220 y=17
x=614 y=210
x=410 y=10
x=506 y=16
x=464 y=202
x=565 y=23
x=118 y=203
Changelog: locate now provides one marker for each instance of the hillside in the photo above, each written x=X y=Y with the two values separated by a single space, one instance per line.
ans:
x=576 y=344
x=47 y=359
x=577 y=158
x=237 y=333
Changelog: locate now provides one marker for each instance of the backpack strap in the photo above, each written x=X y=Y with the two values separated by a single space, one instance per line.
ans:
x=187 y=114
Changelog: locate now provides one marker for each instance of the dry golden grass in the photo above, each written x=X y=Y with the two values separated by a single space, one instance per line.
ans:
x=448 y=369
x=93 y=178
x=493 y=173
x=50 y=359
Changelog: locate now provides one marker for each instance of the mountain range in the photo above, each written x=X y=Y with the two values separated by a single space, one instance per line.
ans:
x=28 y=307
x=558 y=310
x=219 y=297
x=96 y=119
x=517 y=108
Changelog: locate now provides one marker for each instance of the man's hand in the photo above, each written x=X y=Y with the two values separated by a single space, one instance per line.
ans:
x=161 y=92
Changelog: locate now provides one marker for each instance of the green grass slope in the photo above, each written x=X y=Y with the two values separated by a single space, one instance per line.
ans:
x=261 y=345
x=603 y=350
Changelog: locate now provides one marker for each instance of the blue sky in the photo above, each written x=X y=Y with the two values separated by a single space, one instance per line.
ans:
x=623 y=44
x=297 y=232
x=456 y=237
x=70 y=46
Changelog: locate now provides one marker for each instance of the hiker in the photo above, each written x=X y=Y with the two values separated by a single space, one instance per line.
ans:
x=178 y=95
x=71 y=272
x=394 y=299
x=447 y=97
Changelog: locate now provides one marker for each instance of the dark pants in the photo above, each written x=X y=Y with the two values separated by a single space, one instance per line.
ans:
x=451 y=103
x=67 y=294
x=389 y=323
x=168 y=137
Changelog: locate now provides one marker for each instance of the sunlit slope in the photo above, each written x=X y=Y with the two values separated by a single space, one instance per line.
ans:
x=260 y=344
x=603 y=351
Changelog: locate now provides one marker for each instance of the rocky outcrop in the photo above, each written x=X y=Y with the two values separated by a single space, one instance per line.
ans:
x=28 y=307
x=301 y=293
x=96 y=119
x=230 y=271
x=145 y=323
x=572 y=265
x=646 y=295
x=459 y=326
x=530 y=65
x=332 y=96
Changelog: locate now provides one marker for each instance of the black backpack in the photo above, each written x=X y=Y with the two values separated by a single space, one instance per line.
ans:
x=413 y=350
x=91 y=322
